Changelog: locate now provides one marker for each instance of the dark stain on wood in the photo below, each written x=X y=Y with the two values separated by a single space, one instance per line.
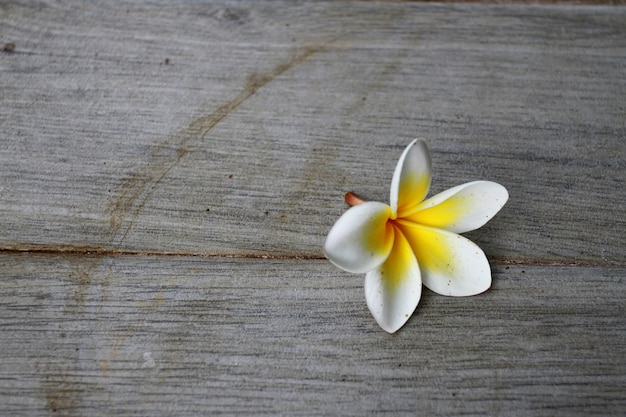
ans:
x=232 y=15
x=62 y=392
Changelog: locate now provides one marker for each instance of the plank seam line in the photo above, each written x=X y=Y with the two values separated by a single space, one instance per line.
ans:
x=92 y=251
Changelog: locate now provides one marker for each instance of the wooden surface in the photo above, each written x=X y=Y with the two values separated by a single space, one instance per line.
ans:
x=168 y=174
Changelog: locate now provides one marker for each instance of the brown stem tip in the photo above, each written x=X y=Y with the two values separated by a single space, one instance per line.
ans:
x=353 y=199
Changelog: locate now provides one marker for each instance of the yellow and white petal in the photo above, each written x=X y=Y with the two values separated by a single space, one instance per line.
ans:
x=393 y=290
x=411 y=179
x=361 y=239
x=462 y=208
x=450 y=264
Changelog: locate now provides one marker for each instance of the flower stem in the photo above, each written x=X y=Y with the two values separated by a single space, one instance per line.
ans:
x=353 y=199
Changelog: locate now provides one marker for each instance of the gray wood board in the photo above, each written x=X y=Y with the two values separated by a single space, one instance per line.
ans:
x=234 y=128
x=147 y=133
x=174 y=335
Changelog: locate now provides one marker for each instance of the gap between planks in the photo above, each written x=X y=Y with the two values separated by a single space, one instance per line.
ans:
x=95 y=251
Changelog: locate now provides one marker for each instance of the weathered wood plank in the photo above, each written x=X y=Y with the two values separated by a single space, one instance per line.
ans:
x=234 y=128
x=188 y=336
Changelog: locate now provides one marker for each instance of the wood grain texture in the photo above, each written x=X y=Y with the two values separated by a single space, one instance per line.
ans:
x=188 y=336
x=173 y=170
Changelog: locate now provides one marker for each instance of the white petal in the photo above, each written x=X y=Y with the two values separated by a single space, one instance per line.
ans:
x=361 y=239
x=411 y=179
x=393 y=290
x=450 y=264
x=462 y=208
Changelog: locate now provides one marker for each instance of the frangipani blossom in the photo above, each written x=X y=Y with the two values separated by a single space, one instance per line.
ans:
x=413 y=241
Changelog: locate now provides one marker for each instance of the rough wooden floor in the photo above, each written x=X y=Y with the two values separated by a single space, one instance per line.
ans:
x=168 y=174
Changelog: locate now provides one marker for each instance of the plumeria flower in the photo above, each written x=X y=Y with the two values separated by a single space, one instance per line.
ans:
x=413 y=241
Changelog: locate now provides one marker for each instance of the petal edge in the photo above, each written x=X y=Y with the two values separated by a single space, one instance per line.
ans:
x=411 y=179
x=462 y=208
x=393 y=290
x=361 y=239
x=450 y=263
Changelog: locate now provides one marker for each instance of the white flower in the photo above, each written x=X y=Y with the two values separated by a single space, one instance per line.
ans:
x=414 y=241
